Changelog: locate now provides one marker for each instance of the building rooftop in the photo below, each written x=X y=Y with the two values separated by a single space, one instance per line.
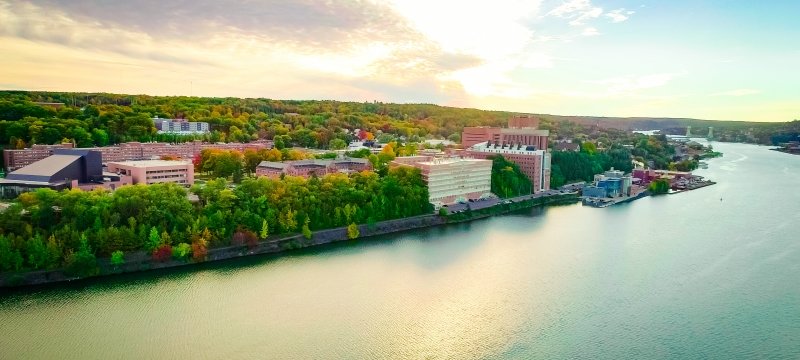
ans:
x=447 y=161
x=150 y=163
x=43 y=170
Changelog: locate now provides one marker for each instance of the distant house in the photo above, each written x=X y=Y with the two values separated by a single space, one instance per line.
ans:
x=563 y=146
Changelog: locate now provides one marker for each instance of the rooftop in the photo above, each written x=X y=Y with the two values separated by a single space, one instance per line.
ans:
x=150 y=163
x=43 y=169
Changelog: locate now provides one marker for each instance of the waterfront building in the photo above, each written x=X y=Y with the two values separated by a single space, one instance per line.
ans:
x=17 y=158
x=612 y=182
x=180 y=126
x=533 y=162
x=594 y=191
x=454 y=180
x=155 y=171
x=65 y=169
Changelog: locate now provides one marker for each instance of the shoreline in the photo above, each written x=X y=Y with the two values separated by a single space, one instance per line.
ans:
x=142 y=261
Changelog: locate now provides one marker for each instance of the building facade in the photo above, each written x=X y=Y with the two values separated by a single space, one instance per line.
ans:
x=534 y=163
x=15 y=159
x=451 y=180
x=65 y=169
x=180 y=126
x=312 y=167
x=521 y=130
x=155 y=171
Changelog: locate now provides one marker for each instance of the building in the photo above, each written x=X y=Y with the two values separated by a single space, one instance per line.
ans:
x=566 y=146
x=312 y=167
x=15 y=159
x=454 y=180
x=524 y=121
x=533 y=162
x=155 y=171
x=65 y=169
x=180 y=126
x=611 y=183
x=521 y=130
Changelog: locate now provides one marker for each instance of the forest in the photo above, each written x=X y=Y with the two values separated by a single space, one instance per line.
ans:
x=46 y=229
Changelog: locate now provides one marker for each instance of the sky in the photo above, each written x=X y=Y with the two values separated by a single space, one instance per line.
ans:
x=721 y=60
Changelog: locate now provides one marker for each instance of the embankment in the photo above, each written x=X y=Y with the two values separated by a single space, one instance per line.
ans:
x=142 y=261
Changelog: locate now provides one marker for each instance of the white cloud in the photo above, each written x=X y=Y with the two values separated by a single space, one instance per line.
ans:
x=737 y=92
x=578 y=11
x=590 y=31
x=619 y=15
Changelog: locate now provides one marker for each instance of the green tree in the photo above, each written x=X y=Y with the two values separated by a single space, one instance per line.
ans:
x=352 y=231
x=153 y=240
x=117 y=258
x=264 y=233
x=337 y=144
x=38 y=258
x=306 y=229
x=10 y=258
x=83 y=262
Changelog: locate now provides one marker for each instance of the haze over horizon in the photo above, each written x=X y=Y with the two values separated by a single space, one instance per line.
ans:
x=684 y=59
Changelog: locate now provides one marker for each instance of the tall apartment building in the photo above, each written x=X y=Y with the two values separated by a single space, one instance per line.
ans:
x=534 y=163
x=453 y=179
x=155 y=171
x=15 y=159
x=180 y=126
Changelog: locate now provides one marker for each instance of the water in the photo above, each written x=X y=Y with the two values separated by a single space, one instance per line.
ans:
x=679 y=276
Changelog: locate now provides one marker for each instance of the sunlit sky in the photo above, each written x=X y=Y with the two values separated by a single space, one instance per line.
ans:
x=725 y=59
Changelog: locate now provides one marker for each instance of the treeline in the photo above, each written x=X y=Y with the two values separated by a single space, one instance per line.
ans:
x=572 y=166
x=303 y=123
x=47 y=229
x=507 y=178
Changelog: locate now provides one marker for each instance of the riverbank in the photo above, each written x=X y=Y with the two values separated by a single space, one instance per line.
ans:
x=143 y=261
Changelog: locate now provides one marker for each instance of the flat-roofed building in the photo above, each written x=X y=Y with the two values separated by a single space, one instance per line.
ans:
x=451 y=180
x=155 y=171
x=65 y=169
x=15 y=159
x=521 y=130
x=533 y=162
x=312 y=167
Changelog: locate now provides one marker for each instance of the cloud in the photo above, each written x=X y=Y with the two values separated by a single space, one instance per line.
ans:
x=619 y=15
x=738 y=92
x=590 y=31
x=577 y=11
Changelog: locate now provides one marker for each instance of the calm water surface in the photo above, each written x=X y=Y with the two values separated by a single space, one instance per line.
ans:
x=680 y=276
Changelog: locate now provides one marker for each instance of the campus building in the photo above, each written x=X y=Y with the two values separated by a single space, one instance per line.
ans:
x=312 y=167
x=451 y=180
x=180 y=126
x=65 y=169
x=155 y=171
x=521 y=130
x=533 y=162
x=15 y=159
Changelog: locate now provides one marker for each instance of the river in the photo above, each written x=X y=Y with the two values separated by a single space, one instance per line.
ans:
x=711 y=273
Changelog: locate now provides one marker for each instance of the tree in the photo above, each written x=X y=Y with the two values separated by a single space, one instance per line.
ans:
x=306 y=229
x=10 y=258
x=181 y=251
x=37 y=253
x=82 y=263
x=117 y=258
x=352 y=231
x=200 y=245
x=264 y=229
x=154 y=240
x=659 y=186
x=337 y=144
